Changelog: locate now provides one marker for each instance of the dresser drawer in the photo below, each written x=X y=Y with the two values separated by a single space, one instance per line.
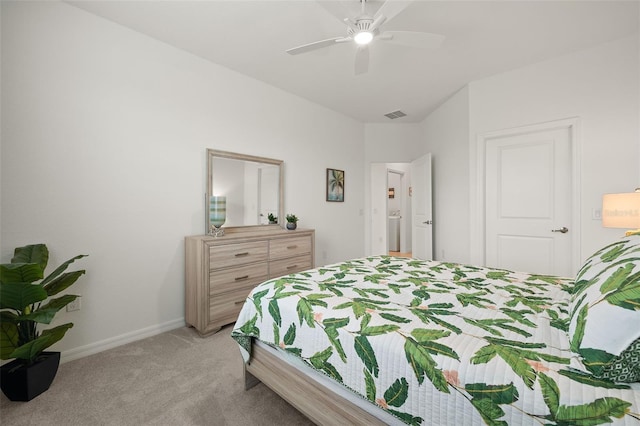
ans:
x=236 y=254
x=278 y=268
x=239 y=277
x=224 y=308
x=287 y=247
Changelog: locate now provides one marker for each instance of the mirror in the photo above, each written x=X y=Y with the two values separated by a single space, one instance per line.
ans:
x=253 y=187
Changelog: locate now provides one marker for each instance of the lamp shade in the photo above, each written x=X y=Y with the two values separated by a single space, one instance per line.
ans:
x=217 y=210
x=621 y=210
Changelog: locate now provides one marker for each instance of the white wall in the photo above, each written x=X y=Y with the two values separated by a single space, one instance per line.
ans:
x=104 y=137
x=599 y=85
x=446 y=132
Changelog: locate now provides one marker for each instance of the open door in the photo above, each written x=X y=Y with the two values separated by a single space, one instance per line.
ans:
x=378 y=208
x=421 y=208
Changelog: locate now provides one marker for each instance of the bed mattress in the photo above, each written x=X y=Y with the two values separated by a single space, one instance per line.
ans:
x=437 y=343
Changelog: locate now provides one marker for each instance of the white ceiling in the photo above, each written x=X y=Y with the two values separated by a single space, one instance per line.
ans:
x=482 y=38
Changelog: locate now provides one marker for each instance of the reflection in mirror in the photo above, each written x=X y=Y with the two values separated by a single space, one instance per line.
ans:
x=252 y=187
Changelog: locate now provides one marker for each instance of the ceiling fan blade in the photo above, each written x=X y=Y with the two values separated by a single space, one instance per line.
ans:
x=361 y=65
x=340 y=9
x=315 y=45
x=413 y=39
x=391 y=8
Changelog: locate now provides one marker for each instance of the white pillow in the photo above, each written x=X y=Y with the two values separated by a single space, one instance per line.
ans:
x=605 y=306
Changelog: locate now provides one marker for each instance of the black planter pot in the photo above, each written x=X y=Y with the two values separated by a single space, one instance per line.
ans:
x=23 y=383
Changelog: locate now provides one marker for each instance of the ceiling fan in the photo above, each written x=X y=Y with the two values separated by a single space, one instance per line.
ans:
x=364 y=28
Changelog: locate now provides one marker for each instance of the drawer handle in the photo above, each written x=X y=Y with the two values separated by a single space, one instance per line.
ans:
x=240 y=302
x=244 y=277
x=292 y=247
x=246 y=253
x=292 y=267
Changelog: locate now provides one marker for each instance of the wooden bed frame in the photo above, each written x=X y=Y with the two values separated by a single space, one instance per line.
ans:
x=314 y=400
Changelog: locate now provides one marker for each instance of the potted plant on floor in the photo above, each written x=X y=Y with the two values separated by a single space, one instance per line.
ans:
x=25 y=303
x=292 y=221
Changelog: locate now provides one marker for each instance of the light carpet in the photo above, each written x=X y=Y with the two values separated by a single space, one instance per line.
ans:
x=174 y=378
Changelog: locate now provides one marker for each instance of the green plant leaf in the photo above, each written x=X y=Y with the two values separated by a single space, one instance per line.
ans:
x=30 y=351
x=499 y=394
x=394 y=318
x=332 y=334
x=589 y=379
x=489 y=411
x=256 y=298
x=595 y=359
x=274 y=311
x=20 y=273
x=8 y=334
x=407 y=418
x=319 y=358
x=59 y=270
x=627 y=296
x=336 y=322
x=45 y=313
x=305 y=312
x=377 y=330
x=370 y=385
x=62 y=282
x=616 y=279
x=578 y=334
x=550 y=392
x=595 y=413
x=249 y=328
x=367 y=355
x=290 y=335
x=33 y=253
x=513 y=353
x=397 y=393
x=484 y=355
x=423 y=365
x=328 y=368
x=427 y=334
x=17 y=295
x=276 y=334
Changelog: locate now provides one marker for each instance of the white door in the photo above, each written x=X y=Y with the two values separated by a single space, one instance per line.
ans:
x=422 y=231
x=528 y=201
x=379 y=209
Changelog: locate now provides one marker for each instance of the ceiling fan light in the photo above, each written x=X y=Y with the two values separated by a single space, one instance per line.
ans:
x=363 y=37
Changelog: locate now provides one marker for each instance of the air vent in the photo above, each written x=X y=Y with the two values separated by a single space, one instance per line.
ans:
x=395 y=114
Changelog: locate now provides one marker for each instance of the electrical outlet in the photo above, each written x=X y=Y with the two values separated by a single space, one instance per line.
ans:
x=596 y=214
x=74 y=306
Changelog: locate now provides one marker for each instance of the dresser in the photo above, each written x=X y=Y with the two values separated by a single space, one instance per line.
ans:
x=220 y=272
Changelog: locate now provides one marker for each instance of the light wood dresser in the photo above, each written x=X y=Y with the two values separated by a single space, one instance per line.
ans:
x=220 y=272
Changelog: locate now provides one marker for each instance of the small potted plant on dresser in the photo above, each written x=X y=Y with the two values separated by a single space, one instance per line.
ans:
x=25 y=303
x=272 y=219
x=292 y=221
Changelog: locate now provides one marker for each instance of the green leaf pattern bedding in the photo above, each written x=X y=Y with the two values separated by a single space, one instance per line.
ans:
x=439 y=343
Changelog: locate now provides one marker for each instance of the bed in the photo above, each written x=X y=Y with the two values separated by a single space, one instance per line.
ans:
x=390 y=340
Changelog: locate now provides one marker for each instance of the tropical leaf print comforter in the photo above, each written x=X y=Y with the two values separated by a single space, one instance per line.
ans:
x=438 y=343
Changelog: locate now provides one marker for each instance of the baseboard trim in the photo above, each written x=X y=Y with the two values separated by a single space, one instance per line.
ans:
x=123 y=339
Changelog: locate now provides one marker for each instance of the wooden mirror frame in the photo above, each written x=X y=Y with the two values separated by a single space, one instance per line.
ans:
x=214 y=153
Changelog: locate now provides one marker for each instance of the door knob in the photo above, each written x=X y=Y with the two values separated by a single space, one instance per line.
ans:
x=564 y=230
x=428 y=222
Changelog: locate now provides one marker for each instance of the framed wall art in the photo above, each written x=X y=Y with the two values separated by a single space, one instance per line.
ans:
x=335 y=185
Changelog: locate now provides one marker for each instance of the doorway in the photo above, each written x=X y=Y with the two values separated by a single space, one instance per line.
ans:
x=414 y=204
x=396 y=239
